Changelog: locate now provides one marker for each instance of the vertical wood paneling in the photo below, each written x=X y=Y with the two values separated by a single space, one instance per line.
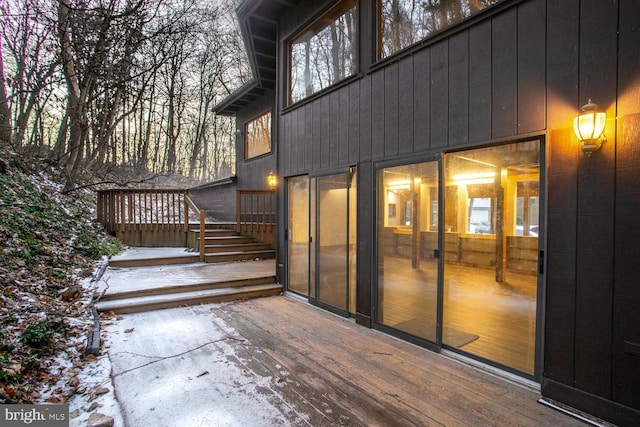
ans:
x=405 y=110
x=365 y=119
x=459 y=89
x=333 y=127
x=531 y=66
x=562 y=60
x=421 y=99
x=308 y=137
x=354 y=123
x=325 y=131
x=343 y=126
x=285 y=129
x=300 y=140
x=316 y=143
x=293 y=141
x=391 y=107
x=377 y=115
x=595 y=206
x=504 y=75
x=626 y=365
x=439 y=105
x=480 y=82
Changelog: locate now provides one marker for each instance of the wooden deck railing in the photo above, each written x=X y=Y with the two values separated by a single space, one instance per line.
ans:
x=123 y=211
x=255 y=214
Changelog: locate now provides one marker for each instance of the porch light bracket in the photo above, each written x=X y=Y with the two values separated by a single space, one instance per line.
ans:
x=589 y=128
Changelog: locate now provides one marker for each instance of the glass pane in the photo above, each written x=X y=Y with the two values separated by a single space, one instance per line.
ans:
x=490 y=271
x=325 y=53
x=402 y=23
x=407 y=239
x=332 y=242
x=258 y=136
x=298 y=235
x=313 y=236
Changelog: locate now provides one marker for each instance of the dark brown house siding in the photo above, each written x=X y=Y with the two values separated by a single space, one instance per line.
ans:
x=252 y=173
x=520 y=70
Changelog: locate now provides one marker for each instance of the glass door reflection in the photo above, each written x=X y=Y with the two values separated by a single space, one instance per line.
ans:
x=407 y=249
x=332 y=241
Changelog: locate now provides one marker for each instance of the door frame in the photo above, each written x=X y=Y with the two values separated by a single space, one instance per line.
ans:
x=438 y=345
x=377 y=166
x=313 y=271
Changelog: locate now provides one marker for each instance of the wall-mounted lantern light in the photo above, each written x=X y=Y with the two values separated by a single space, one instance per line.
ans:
x=272 y=180
x=589 y=128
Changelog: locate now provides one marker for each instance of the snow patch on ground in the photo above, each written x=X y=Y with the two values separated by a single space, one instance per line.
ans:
x=183 y=367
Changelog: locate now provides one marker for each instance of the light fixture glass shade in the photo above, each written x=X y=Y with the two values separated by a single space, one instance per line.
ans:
x=272 y=180
x=589 y=125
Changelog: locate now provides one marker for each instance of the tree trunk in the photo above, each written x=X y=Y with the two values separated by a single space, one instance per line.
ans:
x=75 y=109
x=5 y=111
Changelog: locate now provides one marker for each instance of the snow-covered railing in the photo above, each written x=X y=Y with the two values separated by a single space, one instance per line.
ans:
x=255 y=214
x=126 y=210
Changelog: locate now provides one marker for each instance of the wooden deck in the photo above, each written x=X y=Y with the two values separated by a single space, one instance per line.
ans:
x=344 y=374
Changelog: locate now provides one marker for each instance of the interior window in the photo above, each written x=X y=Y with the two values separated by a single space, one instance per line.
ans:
x=324 y=53
x=258 y=136
x=402 y=23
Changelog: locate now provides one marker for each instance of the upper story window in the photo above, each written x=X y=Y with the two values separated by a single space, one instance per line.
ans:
x=402 y=23
x=324 y=53
x=258 y=136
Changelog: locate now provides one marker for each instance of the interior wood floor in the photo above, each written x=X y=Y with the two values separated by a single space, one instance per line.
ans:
x=501 y=315
x=342 y=374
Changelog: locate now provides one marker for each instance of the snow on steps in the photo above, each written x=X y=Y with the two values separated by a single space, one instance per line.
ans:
x=187 y=294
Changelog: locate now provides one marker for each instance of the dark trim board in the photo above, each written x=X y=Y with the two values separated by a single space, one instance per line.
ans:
x=589 y=403
x=363 y=320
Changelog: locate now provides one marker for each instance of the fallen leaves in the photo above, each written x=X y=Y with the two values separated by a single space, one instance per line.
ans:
x=50 y=243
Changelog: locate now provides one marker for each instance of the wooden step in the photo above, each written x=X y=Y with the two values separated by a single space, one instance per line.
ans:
x=240 y=256
x=230 y=240
x=188 y=287
x=157 y=302
x=215 y=232
x=145 y=262
x=210 y=249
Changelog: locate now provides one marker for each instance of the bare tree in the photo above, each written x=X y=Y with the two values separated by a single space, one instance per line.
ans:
x=5 y=110
x=122 y=83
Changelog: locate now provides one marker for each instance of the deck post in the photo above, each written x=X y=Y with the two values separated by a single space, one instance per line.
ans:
x=203 y=235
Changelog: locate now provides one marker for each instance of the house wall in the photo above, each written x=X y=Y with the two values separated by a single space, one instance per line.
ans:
x=521 y=70
x=252 y=173
x=218 y=198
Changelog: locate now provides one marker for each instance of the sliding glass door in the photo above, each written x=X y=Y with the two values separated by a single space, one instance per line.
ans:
x=298 y=235
x=457 y=254
x=408 y=225
x=491 y=279
x=321 y=239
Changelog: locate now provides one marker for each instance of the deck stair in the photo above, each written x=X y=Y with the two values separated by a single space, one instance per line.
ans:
x=178 y=295
x=225 y=245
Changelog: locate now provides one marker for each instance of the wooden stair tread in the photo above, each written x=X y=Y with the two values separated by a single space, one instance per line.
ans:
x=153 y=302
x=188 y=287
x=168 y=260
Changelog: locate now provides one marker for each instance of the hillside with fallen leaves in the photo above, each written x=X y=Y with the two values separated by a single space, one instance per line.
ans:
x=50 y=248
